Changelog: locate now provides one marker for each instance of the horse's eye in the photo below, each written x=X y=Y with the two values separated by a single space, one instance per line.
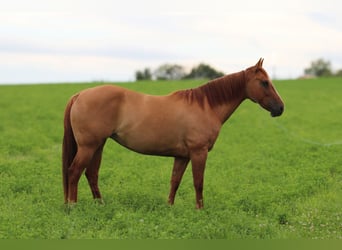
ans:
x=264 y=83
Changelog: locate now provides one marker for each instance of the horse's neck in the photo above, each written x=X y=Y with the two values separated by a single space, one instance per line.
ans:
x=234 y=94
x=224 y=111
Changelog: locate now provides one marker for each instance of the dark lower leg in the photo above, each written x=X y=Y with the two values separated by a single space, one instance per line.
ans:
x=179 y=167
x=81 y=161
x=92 y=173
x=75 y=173
x=198 y=160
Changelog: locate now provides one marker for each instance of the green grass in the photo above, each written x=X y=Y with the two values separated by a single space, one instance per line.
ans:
x=266 y=178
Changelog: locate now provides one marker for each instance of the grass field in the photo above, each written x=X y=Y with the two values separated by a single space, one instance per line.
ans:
x=266 y=178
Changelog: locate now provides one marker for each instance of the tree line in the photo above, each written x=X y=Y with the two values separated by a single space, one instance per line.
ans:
x=177 y=72
x=317 y=68
x=321 y=68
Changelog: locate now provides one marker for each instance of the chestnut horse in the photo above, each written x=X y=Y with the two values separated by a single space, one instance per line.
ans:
x=183 y=125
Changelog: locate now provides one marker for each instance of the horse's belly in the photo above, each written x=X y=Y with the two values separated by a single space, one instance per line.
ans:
x=152 y=144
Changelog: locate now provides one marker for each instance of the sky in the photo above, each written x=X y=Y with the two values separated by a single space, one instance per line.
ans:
x=78 y=40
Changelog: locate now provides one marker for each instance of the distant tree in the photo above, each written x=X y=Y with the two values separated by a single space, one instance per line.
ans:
x=143 y=75
x=204 y=71
x=339 y=73
x=319 y=68
x=139 y=75
x=169 y=72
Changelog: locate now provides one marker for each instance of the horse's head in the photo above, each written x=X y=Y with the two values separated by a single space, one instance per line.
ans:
x=259 y=89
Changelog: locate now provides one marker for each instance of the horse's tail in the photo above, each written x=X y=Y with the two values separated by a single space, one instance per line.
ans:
x=69 y=148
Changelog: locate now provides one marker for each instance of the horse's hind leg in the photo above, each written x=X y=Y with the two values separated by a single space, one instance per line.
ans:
x=92 y=173
x=81 y=161
x=179 y=167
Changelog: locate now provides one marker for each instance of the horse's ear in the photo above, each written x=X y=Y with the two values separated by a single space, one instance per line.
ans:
x=259 y=64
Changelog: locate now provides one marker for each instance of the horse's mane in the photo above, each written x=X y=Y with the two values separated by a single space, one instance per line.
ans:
x=217 y=91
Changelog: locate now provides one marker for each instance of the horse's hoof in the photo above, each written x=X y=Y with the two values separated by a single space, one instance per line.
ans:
x=69 y=206
x=99 y=201
x=199 y=205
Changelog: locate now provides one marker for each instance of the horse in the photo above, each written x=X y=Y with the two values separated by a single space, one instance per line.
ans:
x=184 y=124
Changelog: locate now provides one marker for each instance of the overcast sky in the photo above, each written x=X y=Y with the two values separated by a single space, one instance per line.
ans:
x=80 y=40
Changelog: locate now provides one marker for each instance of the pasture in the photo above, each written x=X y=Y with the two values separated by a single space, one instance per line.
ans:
x=266 y=178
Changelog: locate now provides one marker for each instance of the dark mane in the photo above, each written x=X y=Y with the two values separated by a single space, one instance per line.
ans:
x=217 y=91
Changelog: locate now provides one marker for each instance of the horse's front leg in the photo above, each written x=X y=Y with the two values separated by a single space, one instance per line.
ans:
x=198 y=160
x=179 y=167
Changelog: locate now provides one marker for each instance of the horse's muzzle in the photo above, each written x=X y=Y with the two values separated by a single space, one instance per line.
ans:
x=277 y=111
